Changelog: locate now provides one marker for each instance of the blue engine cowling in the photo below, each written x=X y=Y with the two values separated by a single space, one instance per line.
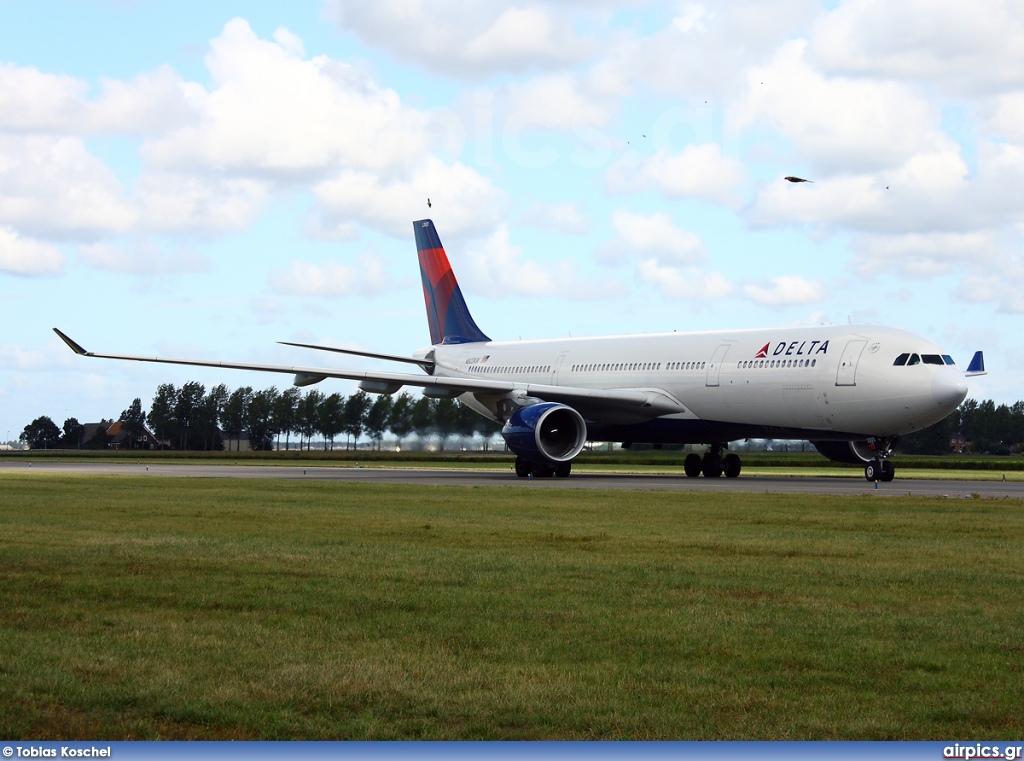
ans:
x=545 y=433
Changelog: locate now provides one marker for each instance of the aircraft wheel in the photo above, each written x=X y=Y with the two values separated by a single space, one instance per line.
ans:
x=711 y=465
x=731 y=465
x=563 y=469
x=888 y=471
x=522 y=468
x=691 y=465
x=873 y=470
x=543 y=471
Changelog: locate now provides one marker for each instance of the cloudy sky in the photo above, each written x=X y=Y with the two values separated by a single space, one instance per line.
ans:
x=207 y=178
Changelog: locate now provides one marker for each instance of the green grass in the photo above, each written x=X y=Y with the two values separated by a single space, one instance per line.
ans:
x=200 y=608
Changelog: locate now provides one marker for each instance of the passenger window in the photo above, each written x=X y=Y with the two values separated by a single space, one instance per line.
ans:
x=901 y=360
x=932 y=359
x=914 y=360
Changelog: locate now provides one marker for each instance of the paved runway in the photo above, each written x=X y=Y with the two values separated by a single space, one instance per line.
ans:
x=447 y=477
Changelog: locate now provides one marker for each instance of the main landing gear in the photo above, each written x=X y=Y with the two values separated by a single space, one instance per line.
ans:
x=712 y=464
x=527 y=469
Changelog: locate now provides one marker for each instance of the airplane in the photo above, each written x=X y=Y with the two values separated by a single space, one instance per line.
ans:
x=851 y=390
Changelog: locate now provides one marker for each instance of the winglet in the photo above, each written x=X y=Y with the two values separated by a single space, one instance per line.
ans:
x=977 y=366
x=71 y=344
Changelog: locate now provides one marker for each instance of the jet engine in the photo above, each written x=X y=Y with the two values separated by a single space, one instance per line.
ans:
x=852 y=452
x=545 y=433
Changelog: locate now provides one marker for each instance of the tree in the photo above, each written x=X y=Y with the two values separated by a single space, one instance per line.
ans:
x=307 y=414
x=400 y=419
x=41 y=433
x=446 y=419
x=378 y=416
x=101 y=438
x=284 y=414
x=73 y=431
x=133 y=422
x=423 y=417
x=331 y=417
x=355 y=415
x=161 y=413
x=236 y=413
x=190 y=415
x=259 y=419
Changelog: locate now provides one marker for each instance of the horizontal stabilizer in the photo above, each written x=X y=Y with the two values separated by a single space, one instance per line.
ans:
x=977 y=366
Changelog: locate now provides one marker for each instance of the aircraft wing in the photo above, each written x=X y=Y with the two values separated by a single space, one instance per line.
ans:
x=593 y=403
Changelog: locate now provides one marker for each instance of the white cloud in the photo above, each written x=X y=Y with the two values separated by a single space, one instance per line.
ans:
x=272 y=111
x=466 y=40
x=27 y=257
x=697 y=171
x=53 y=188
x=694 y=284
x=498 y=269
x=562 y=217
x=841 y=124
x=786 y=290
x=462 y=199
x=964 y=48
x=143 y=258
x=919 y=255
x=654 y=237
x=332 y=280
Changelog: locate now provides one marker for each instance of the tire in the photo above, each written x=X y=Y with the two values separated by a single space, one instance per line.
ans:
x=873 y=471
x=888 y=471
x=731 y=465
x=563 y=469
x=691 y=465
x=711 y=466
x=522 y=468
x=543 y=471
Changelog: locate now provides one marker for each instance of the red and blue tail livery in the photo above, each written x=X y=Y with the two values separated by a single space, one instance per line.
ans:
x=447 y=314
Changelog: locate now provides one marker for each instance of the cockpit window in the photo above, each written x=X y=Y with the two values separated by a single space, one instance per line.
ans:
x=948 y=359
x=914 y=360
x=932 y=359
x=901 y=360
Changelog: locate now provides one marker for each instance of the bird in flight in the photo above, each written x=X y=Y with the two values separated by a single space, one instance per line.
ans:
x=428 y=203
x=796 y=179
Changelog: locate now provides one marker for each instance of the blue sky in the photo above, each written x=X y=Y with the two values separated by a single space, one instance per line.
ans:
x=205 y=179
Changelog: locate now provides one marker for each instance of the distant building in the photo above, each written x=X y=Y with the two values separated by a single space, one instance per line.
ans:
x=119 y=437
x=958 y=443
x=239 y=443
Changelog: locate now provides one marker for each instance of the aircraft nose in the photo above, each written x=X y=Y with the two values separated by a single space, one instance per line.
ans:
x=949 y=389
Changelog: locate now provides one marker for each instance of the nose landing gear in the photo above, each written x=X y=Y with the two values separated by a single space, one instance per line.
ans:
x=880 y=469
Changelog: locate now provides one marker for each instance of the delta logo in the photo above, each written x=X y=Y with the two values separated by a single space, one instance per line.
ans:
x=792 y=349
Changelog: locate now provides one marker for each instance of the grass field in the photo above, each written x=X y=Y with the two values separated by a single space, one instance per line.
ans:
x=197 y=608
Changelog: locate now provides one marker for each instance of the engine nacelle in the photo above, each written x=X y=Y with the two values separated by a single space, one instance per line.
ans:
x=852 y=452
x=545 y=433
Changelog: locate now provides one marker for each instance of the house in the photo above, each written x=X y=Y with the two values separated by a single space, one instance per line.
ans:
x=118 y=436
x=958 y=443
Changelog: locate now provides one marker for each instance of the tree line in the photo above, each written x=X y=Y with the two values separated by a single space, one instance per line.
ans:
x=191 y=418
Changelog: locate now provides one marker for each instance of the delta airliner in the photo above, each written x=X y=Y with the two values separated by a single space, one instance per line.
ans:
x=851 y=390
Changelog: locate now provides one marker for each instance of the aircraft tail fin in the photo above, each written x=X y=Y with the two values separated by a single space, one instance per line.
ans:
x=977 y=366
x=447 y=314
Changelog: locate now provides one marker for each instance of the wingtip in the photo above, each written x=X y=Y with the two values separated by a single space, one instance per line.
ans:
x=77 y=349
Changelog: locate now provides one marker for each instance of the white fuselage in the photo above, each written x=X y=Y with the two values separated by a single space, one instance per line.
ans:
x=836 y=382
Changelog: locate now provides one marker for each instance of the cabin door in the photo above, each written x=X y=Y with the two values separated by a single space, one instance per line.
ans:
x=715 y=366
x=847 y=373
